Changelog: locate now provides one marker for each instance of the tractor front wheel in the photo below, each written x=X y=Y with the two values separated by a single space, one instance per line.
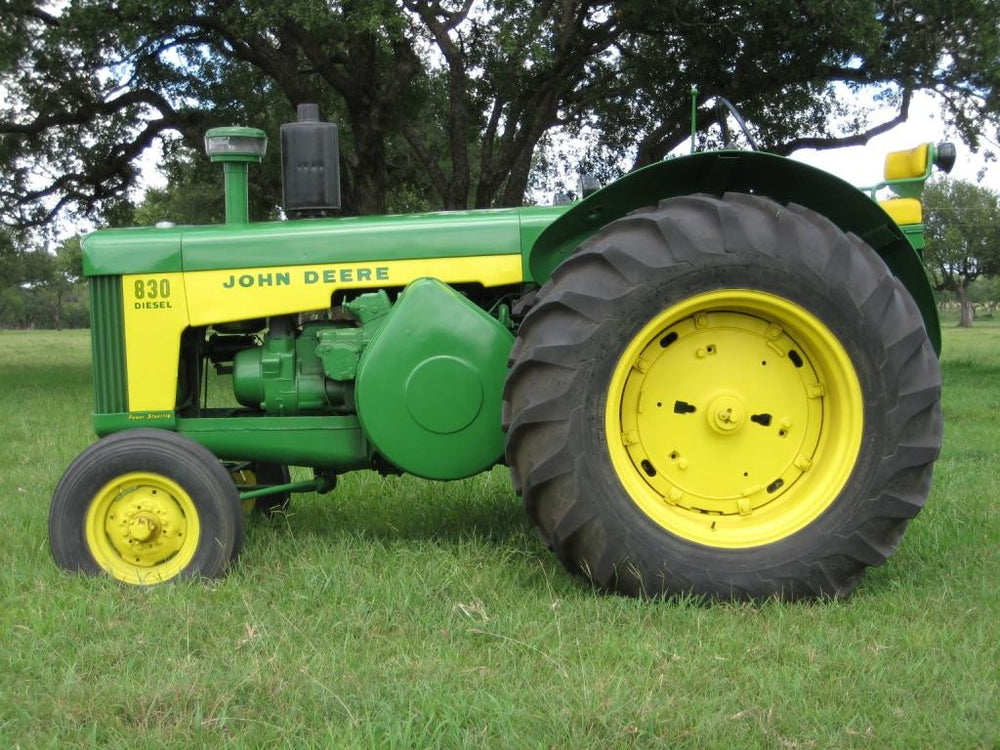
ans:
x=728 y=397
x=146 y=506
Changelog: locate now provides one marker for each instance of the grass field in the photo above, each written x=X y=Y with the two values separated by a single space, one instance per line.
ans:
x=403 y=613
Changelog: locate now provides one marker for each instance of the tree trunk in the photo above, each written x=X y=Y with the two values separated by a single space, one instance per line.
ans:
x=965 y=312
x=365 y=175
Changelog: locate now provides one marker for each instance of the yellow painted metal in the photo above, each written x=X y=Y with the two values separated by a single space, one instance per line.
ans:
x=154 y=321
x=904 y=211
x=222 y=296
x=142 y=528
x=245 y=477
x=734 y=418
x=906 y=165
x=155 y=314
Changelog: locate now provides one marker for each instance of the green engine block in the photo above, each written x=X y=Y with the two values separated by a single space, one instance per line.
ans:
x=429 y=372
x=312 y=372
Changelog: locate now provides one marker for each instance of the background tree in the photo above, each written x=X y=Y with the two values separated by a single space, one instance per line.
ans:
x=39 y=288
x=963 y=238
x=443 y=103
x=985 y=295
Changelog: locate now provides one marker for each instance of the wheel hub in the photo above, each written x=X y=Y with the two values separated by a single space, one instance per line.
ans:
x=725 y=408
x=144 y=522
x=142 y=527
x=726 y=414
x=706 y=446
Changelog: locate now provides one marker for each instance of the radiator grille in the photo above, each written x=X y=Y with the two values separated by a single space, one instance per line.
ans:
x=107 y=338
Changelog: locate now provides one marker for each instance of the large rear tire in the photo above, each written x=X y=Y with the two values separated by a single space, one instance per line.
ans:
x=727 y=397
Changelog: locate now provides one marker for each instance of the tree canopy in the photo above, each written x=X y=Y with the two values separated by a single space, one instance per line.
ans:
x=443 y=103
x=38 y=288
x=963 y=238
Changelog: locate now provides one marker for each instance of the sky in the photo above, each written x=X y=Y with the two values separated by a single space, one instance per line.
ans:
x=862 y=165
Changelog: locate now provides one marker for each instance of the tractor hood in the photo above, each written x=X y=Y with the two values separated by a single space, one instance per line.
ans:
x=315 y=241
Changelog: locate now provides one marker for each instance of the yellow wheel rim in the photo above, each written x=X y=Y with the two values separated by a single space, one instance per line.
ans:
x=734 y=418
x=245 y=477
x=142 y=528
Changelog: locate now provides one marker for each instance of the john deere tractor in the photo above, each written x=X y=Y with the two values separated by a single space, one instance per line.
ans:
x=716 y=375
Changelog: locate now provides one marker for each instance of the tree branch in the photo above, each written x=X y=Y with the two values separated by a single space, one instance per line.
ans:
x=858 y=139
x=84 y=115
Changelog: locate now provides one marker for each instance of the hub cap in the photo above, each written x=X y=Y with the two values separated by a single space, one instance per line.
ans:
x=734 y=418
x=142 y=528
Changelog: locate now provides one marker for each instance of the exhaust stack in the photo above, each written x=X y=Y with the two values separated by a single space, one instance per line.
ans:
x=236 y=147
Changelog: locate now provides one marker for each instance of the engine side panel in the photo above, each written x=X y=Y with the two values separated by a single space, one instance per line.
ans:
x=158 y=307
x=429 y=387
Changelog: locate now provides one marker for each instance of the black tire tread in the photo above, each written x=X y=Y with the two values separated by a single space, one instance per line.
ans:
x=154 y=450
x=543 y=423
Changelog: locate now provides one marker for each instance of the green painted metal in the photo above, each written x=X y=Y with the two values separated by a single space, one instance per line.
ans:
x=107 y=342
x=717 y=172
x=236 y=144
x=236 y=147
x=434 y=236
x=285 y=376
x=308 y=371
x=332 y=442
x=915 y=235
x=429 y=387
x=109 y=423
x=340 y=348
x=319 y=484
x=113 y=252
x=237 y=193
x=534 y=221
x=354 y=239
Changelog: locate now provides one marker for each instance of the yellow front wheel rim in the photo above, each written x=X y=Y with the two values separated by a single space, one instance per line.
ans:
x=734 y=418
x=142 y=528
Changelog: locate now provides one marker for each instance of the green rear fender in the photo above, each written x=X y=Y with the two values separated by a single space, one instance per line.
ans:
x=718 y=172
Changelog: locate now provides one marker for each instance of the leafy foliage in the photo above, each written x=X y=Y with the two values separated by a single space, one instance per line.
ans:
x=963 y=238
x=443 y=103
x=40 y=289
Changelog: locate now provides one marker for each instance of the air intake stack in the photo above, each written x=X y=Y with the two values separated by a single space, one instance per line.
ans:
x=310 y=165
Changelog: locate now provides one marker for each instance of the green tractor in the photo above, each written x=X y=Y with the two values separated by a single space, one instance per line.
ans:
x=716 y=375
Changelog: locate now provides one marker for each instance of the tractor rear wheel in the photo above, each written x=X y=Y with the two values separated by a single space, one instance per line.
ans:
x=727 y=397
x=146 y=506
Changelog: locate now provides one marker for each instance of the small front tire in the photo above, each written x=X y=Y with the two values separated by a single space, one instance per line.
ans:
x=146 y=506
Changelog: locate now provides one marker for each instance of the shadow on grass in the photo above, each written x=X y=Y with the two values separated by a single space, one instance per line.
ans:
x=479 y=521
x=393 y=509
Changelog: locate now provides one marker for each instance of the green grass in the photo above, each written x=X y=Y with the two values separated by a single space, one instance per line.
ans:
x=403 y=613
